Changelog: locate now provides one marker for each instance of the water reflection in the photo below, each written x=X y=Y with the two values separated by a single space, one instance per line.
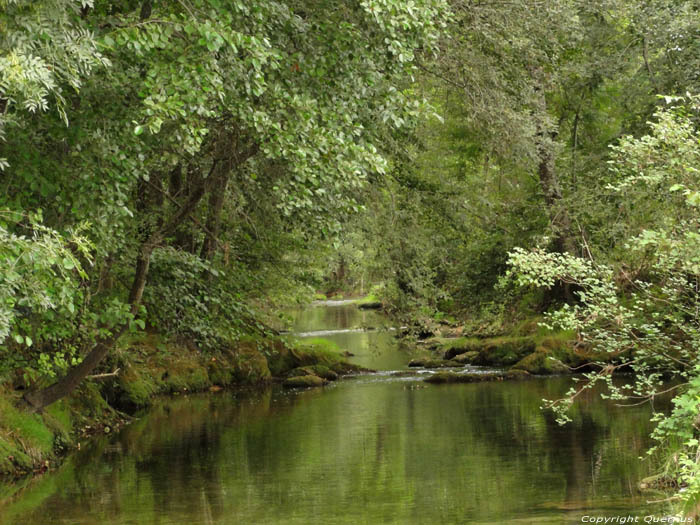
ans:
x=374 y=449
x=367 y=334
x=369 y=452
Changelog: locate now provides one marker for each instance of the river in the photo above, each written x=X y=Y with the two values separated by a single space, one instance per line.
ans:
x=369 y=449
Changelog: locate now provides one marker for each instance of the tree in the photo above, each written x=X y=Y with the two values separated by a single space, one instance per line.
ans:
x=644 y=313
x=203 y=97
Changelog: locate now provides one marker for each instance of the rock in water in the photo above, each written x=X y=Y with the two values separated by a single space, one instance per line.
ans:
x=304 y=381
x=466 y=357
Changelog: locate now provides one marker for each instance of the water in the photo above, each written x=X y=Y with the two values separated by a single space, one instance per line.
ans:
x=365 y=333
x=372 y=449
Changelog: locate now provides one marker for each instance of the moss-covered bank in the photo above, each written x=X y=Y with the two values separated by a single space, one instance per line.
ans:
x=538 y=352
x=142 y=368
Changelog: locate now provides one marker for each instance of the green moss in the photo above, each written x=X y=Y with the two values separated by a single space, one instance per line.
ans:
x=88 y=402
x=370 y=301
x=317 y=345
x=250 y=364
x=149 y=367
x=13 y=459
x=28 y=427
x=316 y=350
x=304 y=381
x=220 y=374
x=541 y=362
x=314 y=370
x=433 y=363
x=28 y=439
x=458 y=345
x=137 y=388
x=451 y=377
x=60 y=412
x=59 y=419
x=516 y=374
x=466 y=357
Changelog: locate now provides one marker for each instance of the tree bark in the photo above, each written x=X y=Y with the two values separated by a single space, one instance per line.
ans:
x=558 y=214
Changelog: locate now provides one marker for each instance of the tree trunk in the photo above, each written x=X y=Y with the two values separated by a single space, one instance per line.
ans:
x=559 y=217
x=558 y=214
x=43 y=398
x=213 y=225
x=549 y=183
x=37 y=400
x=143 y=263
x=242 y=151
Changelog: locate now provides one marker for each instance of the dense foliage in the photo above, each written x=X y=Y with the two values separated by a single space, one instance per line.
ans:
x=174 y=166
x=190 y=145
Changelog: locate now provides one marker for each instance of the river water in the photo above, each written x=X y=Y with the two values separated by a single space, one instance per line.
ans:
x=369 y=449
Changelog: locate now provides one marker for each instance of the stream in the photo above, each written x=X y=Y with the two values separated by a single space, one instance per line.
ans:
x=367 y=449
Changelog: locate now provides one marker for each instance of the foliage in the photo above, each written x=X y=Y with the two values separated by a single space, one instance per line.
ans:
x=646 y=312
x=185 y=155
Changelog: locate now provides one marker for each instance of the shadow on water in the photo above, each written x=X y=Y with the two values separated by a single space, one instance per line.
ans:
x=358 y=451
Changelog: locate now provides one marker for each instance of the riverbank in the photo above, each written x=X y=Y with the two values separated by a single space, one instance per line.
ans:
x=519 y=344
x=141 y=369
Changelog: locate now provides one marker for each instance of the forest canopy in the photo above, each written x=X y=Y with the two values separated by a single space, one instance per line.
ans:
x=186 y=167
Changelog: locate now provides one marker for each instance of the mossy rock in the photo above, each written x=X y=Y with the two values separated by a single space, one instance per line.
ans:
x=370 y=302
x=314 y=370
x=135 y=389
x=220 y=372
x=541 y=363
x=516 y=374
x=183 y=375
x=460 y=345
x=280 y=358
x=433 y=343
x=433 y=363
x=304 y=381
x=451 y=377
x=343 y=368
x=504 y=351
x=465 y=358
x=250 y=364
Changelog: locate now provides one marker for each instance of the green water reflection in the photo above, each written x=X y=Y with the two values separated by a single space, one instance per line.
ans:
x=364 y=451
x=377 y=348
x=371 y=449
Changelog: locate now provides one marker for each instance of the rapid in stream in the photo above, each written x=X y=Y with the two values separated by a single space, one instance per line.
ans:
x=368 y=449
